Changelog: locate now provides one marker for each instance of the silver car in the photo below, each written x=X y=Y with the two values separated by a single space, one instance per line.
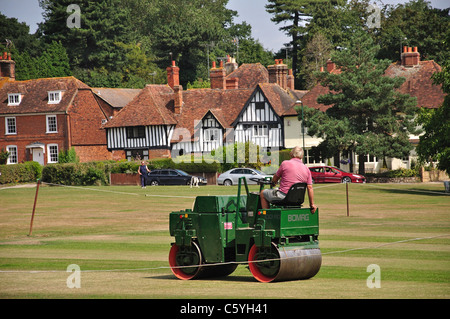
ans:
x=231 y=177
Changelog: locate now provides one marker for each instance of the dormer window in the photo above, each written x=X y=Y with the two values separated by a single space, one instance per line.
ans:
x=14 y=98
x=54 y=97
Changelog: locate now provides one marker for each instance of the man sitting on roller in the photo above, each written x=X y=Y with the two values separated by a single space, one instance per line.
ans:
x=290 y=172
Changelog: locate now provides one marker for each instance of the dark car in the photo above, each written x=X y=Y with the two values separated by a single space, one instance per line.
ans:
x=329 y=174
x=171 y=177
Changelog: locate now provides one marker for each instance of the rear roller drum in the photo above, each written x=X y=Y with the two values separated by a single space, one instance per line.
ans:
x=292 y=263
x=182 y=258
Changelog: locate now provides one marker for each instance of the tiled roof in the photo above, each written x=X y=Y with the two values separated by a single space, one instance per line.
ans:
x=150 y=107
x=35 y=95
x=418 y=83
x=117 y=98
x=225 y=105
x=250 y=75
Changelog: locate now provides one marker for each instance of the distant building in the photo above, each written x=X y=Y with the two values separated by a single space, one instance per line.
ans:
x=40 y=118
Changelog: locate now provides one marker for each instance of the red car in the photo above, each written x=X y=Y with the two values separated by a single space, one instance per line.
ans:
x=329 y=174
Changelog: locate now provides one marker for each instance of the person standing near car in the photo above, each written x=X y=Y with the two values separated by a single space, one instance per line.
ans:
x=290 y=172
x=143 y=171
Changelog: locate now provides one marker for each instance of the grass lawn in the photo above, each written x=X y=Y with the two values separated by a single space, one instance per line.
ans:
x=119 y=238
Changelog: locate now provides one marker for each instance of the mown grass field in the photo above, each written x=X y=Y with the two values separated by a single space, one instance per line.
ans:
x=119 y=238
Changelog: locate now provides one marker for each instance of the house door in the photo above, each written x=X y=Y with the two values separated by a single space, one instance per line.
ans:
x=38 y=155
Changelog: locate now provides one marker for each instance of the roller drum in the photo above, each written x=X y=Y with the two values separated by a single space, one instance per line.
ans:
x=285 y=263
x=298 y=263
x=187 y=265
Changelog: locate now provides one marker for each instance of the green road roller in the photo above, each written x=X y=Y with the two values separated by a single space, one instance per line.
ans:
x=220 y=232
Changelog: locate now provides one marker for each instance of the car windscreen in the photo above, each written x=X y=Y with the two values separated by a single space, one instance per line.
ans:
x=182 y=172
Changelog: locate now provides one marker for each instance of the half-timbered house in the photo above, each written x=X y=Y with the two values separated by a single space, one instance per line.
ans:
x=169 y=121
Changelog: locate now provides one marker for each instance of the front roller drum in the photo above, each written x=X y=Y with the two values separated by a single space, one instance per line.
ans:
x=186 y=263
x=287 y=263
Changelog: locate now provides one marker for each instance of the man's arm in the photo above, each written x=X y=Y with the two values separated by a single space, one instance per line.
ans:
x=275 y=179
x=311 y=198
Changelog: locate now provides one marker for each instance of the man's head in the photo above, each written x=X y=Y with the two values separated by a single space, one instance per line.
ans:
x=297 y=152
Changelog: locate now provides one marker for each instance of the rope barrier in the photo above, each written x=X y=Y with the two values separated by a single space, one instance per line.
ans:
x=225 y=263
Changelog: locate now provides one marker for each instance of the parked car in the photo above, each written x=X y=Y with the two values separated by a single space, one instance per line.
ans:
x=329 y=174
x=231 y=176
x=171 y=177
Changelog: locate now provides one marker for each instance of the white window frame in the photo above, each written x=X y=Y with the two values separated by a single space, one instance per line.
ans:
x=211 y=132
x=48 y=126
x=50 y=153
x=261 y=130
x=14 y=98
x=369 y=159
x=7 y=126
x=13 y=157
x=54 y=97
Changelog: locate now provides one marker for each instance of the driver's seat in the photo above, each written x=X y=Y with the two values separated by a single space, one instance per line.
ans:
x=294 y=197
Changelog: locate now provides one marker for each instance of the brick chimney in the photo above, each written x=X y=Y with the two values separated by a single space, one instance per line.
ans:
x=173 y=75
x=7 y=66
x=410 y=56
x=232 y=83
x=330 y=66
x=217 y=76
x=290 y=80
x=231 y=65
x=278 y=73
x=178 y=99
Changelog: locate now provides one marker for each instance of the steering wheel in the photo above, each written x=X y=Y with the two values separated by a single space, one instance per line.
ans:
x=261 y=181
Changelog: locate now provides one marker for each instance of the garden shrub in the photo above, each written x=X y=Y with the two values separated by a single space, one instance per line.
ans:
x=20 y=173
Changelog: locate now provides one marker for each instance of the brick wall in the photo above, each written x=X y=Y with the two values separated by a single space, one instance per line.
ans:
x=89 y=153
x=32 y=129
x=159 y=153
x=86 y=120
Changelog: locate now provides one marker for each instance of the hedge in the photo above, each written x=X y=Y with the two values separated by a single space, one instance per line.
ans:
x=93 y=173
x=97 y=173
x=20 y=173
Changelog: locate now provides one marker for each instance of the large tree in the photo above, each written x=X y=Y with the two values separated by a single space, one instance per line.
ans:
x=103 y=24
x=293 y=15
x=366 y=114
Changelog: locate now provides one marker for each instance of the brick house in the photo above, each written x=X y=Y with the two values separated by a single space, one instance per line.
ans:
x=40 y=118
x=418 y=83
x=246 y=103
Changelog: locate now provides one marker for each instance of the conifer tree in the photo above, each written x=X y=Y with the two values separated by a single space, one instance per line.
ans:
x=366 y=114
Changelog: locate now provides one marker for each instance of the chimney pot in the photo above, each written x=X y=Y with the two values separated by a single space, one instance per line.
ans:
x=173 y=63
x=221 y=64
x=411 y=57
x=214 y=64
x=5 y=55
x=405 y=49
